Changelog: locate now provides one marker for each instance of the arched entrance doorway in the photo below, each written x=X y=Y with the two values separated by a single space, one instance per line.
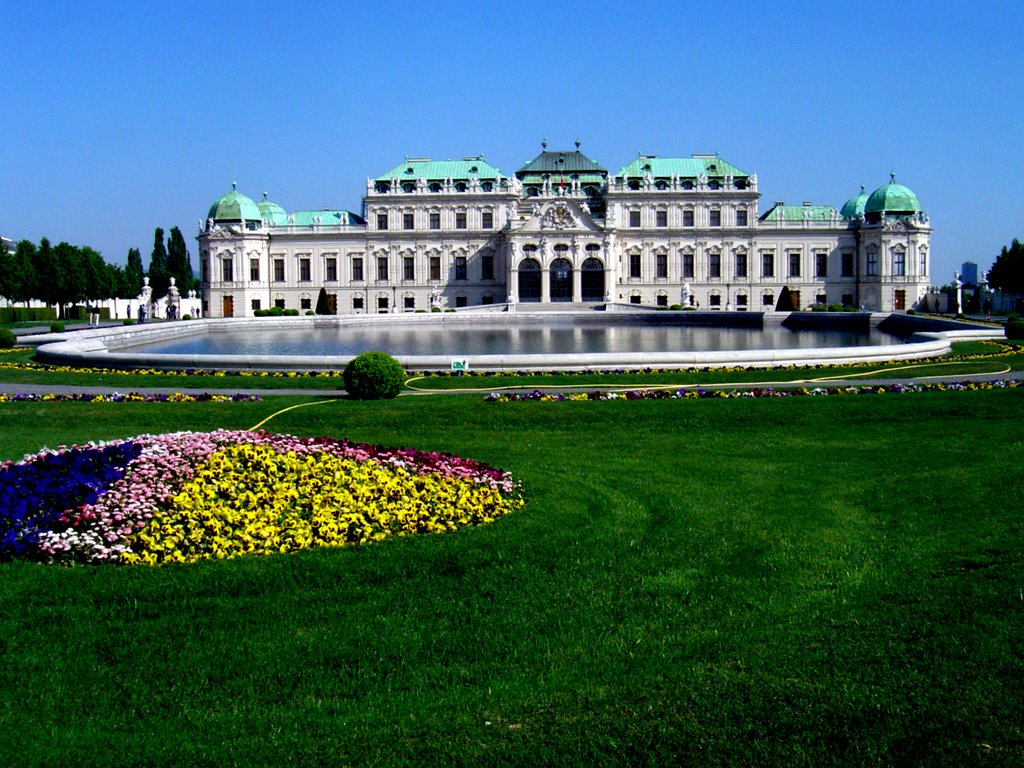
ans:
x=592 y=280
x=529 y=280
x=561 y=280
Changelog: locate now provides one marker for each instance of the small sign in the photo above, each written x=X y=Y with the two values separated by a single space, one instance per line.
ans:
x=460 y=365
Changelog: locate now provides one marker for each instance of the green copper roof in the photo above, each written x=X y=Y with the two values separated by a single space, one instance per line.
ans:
x=800 y=213
x=323 y=218
x=234 y=206
x=854 y=207
x=561 y=163
x=683 y=167
x=892 y=198
x=439 y=170
x=272 y=212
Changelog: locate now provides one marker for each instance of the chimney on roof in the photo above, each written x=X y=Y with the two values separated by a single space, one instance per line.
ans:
x=779 y=203
x=808 y=202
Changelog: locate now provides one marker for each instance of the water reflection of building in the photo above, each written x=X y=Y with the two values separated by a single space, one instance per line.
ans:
x=659 y=232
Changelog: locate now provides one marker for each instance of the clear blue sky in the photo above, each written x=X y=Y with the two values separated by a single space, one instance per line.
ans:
x=121 y=117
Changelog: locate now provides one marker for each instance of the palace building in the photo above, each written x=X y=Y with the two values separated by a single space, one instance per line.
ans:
x=660 y=232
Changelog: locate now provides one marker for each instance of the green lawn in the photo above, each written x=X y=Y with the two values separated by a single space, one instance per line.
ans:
x=805 y=581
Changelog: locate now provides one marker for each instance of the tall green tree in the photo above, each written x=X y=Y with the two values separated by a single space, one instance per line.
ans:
x=6 y=271
x=23 y=283
x=132 y=276
x=46 y=286
x=1007 y=273
x=179 y=262
x=159 y=277
x=69 y=286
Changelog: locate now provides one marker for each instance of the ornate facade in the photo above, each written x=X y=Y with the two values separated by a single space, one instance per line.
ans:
x=658 y=232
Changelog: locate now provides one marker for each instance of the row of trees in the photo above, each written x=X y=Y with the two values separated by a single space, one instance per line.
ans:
x=1007 y=274
x=65 y=275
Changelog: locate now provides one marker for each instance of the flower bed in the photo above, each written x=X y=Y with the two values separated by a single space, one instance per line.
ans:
x=127 y=397
x=191 y=496
x=694 y=393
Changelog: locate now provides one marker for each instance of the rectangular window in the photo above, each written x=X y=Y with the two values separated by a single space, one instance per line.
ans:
x=767 y=265
x=279 y=303
x=460 y=220
x=794 y=265
x=304 y=273
x=408 y=268
x=410 y=302
x=634 y=218
x=715 y=218
x=254 y=269
x=382 y=304
x=634 y=265
x=255 y=304
x=687 y=265
x=741 y=301
x=661 y=265
x=357 y=269
x=847 y=299
x=715 y=300
x=435 y=267
x=382 y=268
x=228 y=268
x=487 y=267
x=460 y=267
x=741 y=265
x=661 y=218
x=357 y=302
x=487 y=220
x=461 y=301
x=407 y=221
x=768 y=300
x=872 y=264
x=899 y=264
x=331 y=270
x=924 y=263
x=382 y=221
x=741 y=221
x=662 y=300
x=715 y=265
x=688 y=218
x=278 y=270
x=821 y=265
x=847 y=265
x=435 y=220
x=305 y=303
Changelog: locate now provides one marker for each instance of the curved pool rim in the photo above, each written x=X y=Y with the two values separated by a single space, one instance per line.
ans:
x=110 y=347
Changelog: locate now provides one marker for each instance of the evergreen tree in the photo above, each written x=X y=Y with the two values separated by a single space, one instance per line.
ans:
x=179 y=262
x=159 y=277
x=23 y=285
x=785 y=303
x=6 y=271
x=1007 y=273
x=323 y=306
x=132 y=276
x=46 y=286
x=69 y=286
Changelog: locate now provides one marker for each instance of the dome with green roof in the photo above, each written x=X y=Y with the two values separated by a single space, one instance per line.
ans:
x=892 y=198
x=234 y=206
x=272 y=212
x=854 y=207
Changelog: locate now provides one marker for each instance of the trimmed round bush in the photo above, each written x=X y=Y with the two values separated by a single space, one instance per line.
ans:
x=7 y=339
x=56 y=327
x=1015 y=330
x=373 y=376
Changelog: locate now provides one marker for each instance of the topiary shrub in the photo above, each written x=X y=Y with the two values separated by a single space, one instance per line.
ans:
x=7 y=339
x=373 y=376
x=292 y=312
x=1015 y=330
x=56 y=327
